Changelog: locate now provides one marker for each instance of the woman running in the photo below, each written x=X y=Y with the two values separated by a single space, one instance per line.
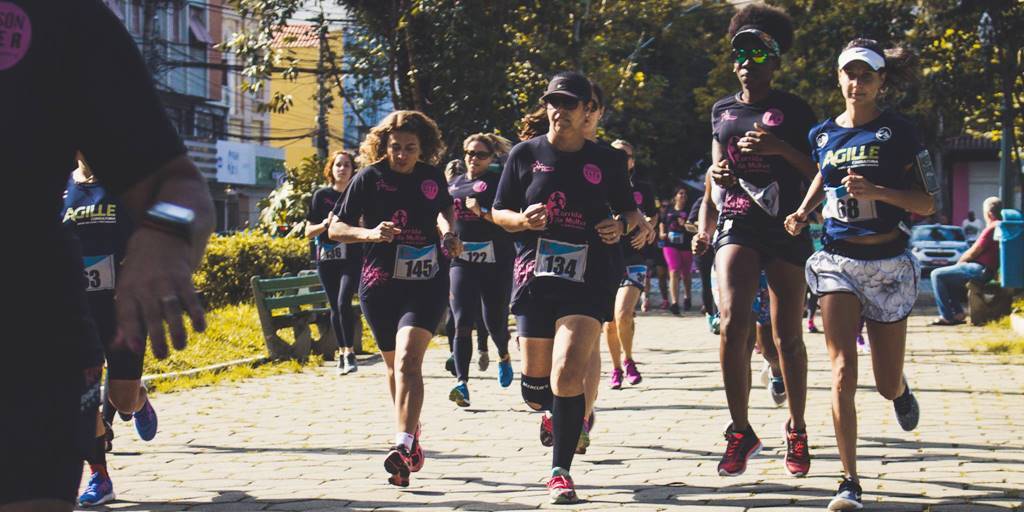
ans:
x=103 y=227
x=872 y=176
x=761 y=159
x=560 y=191
x=620 y=331
x=337 y=264
x=677 y=241
x=481 y=277
x=403 y=290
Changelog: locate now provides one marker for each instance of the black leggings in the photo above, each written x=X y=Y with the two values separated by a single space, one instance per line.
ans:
x=704 y=264
x=481 y=290
x=812 y=305
x=340 y=281
x=481 y=332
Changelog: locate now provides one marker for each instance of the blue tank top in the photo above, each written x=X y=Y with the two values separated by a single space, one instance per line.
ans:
x=882 y=151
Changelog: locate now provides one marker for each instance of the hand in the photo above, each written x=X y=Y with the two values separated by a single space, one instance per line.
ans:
x=796 y=222
x=384 y=232
x=610 y=230
x=664 y=236
x=722 y=175
x=154 y=286
x=859 y=187
x=647 y=229
x=535 y=217
x=473 y=205
x=700 y=243
x=760 y=142
x=452 y=244
x=639 y=240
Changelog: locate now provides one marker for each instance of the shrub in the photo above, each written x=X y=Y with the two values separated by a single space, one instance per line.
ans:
x=231 y=261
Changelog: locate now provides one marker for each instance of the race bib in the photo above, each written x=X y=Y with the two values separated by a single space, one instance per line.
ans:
x=675 y=237
x=478 y=252
x=840 y=205
x=99 y=272
x=561 y=260
x=415 y=263
x=333 y=251
x=636 y=273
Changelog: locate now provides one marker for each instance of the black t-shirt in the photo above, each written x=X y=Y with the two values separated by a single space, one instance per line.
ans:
x=643 y=197
x=773 y=188
x=412 y=201
x=483 y=241
x=579 y=190
x=116 y=121
x=324 y=201
x=675 y=226
x=103 y=228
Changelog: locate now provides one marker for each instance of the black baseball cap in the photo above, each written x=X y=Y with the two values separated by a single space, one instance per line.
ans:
x=569 y=83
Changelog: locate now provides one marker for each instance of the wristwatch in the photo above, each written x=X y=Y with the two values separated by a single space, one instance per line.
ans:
x=170 y=218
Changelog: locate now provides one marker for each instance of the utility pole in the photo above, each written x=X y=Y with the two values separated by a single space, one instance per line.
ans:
x=323 y=93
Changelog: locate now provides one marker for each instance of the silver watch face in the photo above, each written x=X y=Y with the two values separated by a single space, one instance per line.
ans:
x=173 y=213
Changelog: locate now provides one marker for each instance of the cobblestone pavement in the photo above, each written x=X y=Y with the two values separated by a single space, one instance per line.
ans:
x=316 y=441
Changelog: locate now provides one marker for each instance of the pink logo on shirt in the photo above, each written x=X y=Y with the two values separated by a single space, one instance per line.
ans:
x=592 y=173
x=538 y=166
x=732 y=150
x=556 y=203
x=773 y=117
x=385 y=186
x=400 y=218
x=429 y=189
x=727 y=116
x=638 y=197
x=479 y=186
x=15 y=35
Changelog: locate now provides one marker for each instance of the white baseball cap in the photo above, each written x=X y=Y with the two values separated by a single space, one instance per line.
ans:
x=866 y=55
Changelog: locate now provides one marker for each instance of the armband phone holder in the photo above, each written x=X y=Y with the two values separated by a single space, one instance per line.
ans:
x=926 y=172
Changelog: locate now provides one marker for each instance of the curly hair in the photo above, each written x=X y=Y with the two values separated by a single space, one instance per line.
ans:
x=534 y=124
x=375 y=146
x=495 y=143
x=329 y=164
x=453 y=169
x=765 y=18
x=901 y=64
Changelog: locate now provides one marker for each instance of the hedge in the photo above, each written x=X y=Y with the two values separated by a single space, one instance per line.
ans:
x=231 y=260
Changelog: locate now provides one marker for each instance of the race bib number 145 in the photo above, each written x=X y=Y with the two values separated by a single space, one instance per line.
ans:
x=415 y=263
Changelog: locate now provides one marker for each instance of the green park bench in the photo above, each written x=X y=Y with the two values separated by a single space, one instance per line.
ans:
x=293 y=293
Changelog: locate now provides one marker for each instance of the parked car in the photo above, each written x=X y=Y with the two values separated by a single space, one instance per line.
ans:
x=937 y=245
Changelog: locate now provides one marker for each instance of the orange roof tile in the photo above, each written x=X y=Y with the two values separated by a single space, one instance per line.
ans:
x=296 y=36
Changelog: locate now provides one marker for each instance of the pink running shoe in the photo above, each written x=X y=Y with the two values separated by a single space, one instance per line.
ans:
x=632 y=374
x=616 y=380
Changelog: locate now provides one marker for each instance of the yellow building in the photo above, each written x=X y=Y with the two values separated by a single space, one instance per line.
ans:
x=301 y=42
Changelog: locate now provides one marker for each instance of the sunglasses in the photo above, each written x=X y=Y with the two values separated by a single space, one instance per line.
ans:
x=478 y=154
x=757 y=55
x=563 y=102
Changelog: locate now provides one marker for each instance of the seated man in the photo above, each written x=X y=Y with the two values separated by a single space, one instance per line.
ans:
x=979 y=263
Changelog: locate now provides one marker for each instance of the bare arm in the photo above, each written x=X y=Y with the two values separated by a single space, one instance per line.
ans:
x=798 y=220
x=534 y=217
x=914 y=200
x=314 y=230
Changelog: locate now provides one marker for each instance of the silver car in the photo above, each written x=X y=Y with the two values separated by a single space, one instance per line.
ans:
x=937 y=245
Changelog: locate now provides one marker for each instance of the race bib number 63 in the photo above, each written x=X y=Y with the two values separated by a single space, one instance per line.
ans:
x=99 y=272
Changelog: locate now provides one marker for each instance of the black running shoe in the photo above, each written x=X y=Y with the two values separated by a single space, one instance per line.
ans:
x=450 y=364
x=907 y=411
x=848 y=497
x=674 y=308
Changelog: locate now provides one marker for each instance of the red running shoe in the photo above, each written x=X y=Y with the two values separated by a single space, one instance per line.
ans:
x=416 y=457
x=547 y=434
x=740 y=447
x=397 y=463
x=798 y=454
x=561 y=488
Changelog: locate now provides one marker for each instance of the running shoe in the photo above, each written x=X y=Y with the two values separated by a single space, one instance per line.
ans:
x=716 y=327
x=674 y=308
x=777 y=388
x=343 y=365
x=687 y=304
x=711 y=322
x=907 y=410
x=483 y=360
x=616 y=379
x=848 y=497
x=811 y=328
x=416 y=457
x=397 y=464
x=146 y=422
x=99 y=491
x=505 y=374
x=561 y=489
x=862 y=345
x=352 y=365
x=547 y=434
x=632 y=374
x=766 y=374
x=664 y=304
x=460 y=395
x=449 y=364
x=798 y=453
x=584 y=441
x=739 y=448
x=645 y=304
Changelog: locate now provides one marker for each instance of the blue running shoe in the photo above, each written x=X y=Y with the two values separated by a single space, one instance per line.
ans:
x=460 y=395
x=145 y=422
x=99 y=491
x=505 y=374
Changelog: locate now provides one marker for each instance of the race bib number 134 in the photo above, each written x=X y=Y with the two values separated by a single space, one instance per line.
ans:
x=561 y=260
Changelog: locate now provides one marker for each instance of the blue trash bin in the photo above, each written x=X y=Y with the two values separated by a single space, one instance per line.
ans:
x=1011 y=249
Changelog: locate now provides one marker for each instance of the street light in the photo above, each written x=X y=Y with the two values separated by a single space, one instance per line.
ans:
x=988 y=37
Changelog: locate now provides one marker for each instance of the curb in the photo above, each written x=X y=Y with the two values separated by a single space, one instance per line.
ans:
x=252 y=361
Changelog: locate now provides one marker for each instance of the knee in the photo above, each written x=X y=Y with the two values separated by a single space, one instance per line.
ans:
x=624 y=317
x=124 y=400
x=568 y=376
x=536 y=392
x=844 y=378
x=409 y=366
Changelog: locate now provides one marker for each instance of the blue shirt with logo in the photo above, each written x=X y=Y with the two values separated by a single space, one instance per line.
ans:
x=882 y=151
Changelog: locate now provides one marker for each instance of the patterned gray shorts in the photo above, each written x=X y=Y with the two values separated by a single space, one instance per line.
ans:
x=886 y=288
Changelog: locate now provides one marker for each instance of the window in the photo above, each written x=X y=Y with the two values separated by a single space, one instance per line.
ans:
x=257 y=129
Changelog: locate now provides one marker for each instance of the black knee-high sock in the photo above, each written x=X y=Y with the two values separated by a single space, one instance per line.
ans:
x=566 y=422
x=98 y=458
x=463 y=351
